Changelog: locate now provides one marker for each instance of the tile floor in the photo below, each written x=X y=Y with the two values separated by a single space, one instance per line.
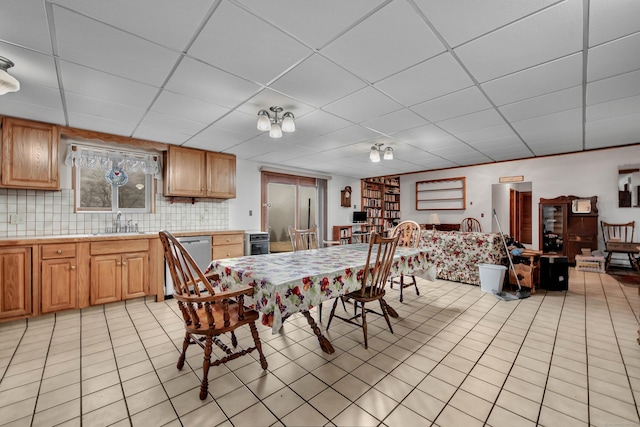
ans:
x=458 y=357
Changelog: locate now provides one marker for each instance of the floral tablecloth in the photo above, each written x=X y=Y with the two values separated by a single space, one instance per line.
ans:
x=290 y=282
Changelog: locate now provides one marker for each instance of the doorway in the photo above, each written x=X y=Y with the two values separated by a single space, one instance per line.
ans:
x=288 y=200
x=512 y=203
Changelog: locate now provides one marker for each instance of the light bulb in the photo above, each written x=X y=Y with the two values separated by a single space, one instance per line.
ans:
x=276 y=131
x=374 y=155
x=388 y=153
x=288 y=125
x=264 y=121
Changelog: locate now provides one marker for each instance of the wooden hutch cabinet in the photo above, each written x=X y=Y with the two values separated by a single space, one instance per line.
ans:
x=568 y=224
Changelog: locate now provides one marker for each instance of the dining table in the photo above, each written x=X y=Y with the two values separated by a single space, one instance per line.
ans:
x=286 y=283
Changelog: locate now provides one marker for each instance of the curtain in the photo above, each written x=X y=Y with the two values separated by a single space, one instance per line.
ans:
x=93 y=157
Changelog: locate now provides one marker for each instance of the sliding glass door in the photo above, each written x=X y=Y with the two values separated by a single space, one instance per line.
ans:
x=287 y=200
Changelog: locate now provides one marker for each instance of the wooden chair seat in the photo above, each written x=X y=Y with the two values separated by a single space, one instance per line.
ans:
x=208 y=315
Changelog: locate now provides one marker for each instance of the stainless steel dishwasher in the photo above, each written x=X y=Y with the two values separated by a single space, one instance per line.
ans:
x=199 y=247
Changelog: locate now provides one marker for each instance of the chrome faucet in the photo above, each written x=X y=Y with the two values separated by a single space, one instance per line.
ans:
x=118 y=226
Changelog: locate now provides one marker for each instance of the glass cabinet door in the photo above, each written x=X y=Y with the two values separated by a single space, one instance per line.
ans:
x=553 y=228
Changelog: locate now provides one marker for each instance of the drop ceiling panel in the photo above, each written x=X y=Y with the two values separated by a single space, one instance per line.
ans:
x=613 y=58
x=546 y=78
x=529 y=42
x=268 y=98
x=456 y=104
x=31 y=67
x=613 y=131
x=184 y=126
x=160 y=135
x=240 y=122
x=314 y=23
x=265 y=51
x=363 y=105
x=390 y=40
x=110 y=50
x=614 y=88
x=494 y=133
x=176 y=105
x=37 y=95
x=214 y=138
x=108 y=110
x=395 y=122
x=106 y=87
x=479 y=120
x=421 y=135
x=352 y=134
x=168 y=23
x=26 y=25
x=562 y=100
x=199 y=80
x=612 y=109
x=609 y=20
x=416 y=84
x=321 y=122
x=318 y=81
x=13 y=108
x=461 y=21
x=102 y=124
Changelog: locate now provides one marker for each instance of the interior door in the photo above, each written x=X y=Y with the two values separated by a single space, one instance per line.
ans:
x=520 y=217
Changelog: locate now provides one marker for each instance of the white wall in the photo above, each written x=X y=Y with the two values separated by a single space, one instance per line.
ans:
x=586 y=174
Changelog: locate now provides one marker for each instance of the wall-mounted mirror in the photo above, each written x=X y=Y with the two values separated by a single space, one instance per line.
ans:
x=629 y=186
x=581 y=206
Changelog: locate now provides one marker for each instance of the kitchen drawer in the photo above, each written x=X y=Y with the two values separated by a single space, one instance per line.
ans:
x=227 y=239
x=58 y=250
x=119 y=246
x=228 y=251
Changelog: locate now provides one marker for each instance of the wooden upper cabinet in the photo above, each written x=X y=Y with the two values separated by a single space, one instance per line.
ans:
x=185 y=172
x=196 y=173
x=29 y=155
x=221 y=175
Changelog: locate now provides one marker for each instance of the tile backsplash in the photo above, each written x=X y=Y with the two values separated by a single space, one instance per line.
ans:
x=48 y=213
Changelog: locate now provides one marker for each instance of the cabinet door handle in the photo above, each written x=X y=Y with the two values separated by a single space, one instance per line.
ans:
x=118 y=263
x=59 y=251
x=73 y=267
x=124 y=263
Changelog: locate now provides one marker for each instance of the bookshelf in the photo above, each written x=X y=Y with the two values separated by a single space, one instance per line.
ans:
x=342 y=234
x=381 y=201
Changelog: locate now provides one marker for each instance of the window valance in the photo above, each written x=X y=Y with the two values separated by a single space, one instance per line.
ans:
x=107 y=159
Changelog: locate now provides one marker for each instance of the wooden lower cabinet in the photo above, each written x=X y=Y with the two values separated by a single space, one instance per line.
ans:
x=59 y=277
x=227 y=245
x=117 y=276
x=16 y=297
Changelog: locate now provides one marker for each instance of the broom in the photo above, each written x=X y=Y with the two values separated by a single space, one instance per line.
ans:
x=520 y=293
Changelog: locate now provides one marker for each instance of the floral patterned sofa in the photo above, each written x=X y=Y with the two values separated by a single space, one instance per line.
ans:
x=456 y=255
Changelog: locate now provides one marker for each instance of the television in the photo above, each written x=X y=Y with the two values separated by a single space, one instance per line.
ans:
x=359 y=216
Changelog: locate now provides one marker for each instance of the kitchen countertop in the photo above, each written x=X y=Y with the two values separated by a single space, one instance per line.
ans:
x=69 y=238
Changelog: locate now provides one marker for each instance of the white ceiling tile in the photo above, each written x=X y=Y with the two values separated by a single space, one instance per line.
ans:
x=314 y=23
x=388 y=41
x=427 y=80
x=173 y=104
x=502 y=133
x=613 y=88
x=265 y=51
x=103 y=124
x=395 y=122
x=456 y=104
x=30 y=66
x=36 y=95
x=316 y=72
x=214 y=138
x=463 y=20
x=609 y=20
x=558 y=128
x=418 y=136
x=352 y=134
x=320 y=122
x=613 y=131
x=363 y=105
x=106 y=87
x=108 y=49
x=199 y=80
x=171 y=123
x=160 y=135
x=99 y=108
x=26 y=25
x=550 y=146
x=534 y=40
x=562 y=100
x=268 y=98
x=479 y=120
x=546 y=78
x=612 y=109
x=613 y=58
x=240 y=122
x=10 y=107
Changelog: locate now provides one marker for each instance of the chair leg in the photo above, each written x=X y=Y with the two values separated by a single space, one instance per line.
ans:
x=415 y=283
x=185 y=346
x=383 y=307
x=333 y=310
x=234 y=340
x=205 y=367
x=320 y=313
x=364 y=325
x=401 y=287
x=258 y=343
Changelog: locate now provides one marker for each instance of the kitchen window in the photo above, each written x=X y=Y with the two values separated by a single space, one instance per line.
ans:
x=112 y=180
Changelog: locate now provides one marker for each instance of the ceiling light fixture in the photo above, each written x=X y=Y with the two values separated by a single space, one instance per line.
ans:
x=8 y=83
x=274 y=125
x=376 y=149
